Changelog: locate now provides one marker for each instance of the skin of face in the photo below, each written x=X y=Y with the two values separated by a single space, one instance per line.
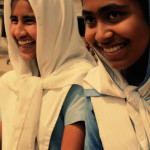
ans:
x=23 y=28
x=117 y=29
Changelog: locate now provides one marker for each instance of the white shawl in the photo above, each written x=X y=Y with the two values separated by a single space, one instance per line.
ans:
x=115 y=102
x=30 y=105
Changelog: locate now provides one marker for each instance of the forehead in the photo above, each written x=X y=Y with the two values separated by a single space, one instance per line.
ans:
x=18 y=0
x=105 y=2
x=96 y=6
x=21 y=6
x=13 y=2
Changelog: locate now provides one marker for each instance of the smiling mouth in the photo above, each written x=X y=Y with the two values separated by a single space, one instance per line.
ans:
x=114 y=48
x=26 y=44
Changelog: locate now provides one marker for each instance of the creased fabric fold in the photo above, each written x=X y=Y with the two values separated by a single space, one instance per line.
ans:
x=135 y=101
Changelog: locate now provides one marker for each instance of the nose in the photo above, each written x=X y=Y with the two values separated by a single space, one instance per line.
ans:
x=20 y=31
x=104 y=34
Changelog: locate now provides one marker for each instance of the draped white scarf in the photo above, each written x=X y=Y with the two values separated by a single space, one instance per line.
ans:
x=62 y=61
x=115 y=104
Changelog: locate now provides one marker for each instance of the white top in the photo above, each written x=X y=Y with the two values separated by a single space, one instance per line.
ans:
x=115 y=104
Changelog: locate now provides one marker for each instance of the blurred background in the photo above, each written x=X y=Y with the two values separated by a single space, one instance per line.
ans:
x=5 y=65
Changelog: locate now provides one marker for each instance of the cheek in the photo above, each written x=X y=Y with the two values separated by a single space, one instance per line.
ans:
x=33 y=32
x=133 y=28
x=139 y=35
x=125 y=29
x=90 y=35
x=12 y=31
x=35 y=35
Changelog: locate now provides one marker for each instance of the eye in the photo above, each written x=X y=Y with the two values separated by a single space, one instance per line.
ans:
x=90 y=21
x=114 y=16
x=30 y=20
x=14 y=20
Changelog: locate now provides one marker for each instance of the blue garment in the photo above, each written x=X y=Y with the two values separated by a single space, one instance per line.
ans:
x=92 y=138
x=75 y=108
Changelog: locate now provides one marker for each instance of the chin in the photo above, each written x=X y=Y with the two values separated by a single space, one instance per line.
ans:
x=119 y=66
x=28 y=57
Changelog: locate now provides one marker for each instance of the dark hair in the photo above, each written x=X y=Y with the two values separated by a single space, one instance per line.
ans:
x=145 y=8
x=82 y=2
x=81 y=26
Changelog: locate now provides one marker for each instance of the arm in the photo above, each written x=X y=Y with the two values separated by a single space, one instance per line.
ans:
x=74 y=113
x=73 y=137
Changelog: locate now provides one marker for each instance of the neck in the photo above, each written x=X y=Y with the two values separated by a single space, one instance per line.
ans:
x=137 y=72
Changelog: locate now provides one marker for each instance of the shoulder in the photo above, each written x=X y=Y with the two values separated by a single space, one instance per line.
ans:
x=75 y=92
x=74 y=107
x=8 y=85
x=9 y=77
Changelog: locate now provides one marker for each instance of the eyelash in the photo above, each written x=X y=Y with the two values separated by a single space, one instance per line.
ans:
x=90 y=20
x=113 y=15
x=14 y=20
x=30 y=20
x=27 y=20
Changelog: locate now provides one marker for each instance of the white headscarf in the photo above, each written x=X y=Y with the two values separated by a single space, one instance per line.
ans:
x=58 y=42
x=62 y=61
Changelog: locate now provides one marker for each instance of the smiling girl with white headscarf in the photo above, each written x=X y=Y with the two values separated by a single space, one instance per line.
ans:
x=34 y=96
x=119 y=87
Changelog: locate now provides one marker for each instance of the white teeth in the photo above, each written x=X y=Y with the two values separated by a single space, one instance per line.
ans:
x=113 y=49
x=25 y=42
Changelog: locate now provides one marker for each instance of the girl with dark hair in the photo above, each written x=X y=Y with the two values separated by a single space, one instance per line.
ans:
x=119 y=87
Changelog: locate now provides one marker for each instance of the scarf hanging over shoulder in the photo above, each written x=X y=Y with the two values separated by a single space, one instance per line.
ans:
x=115 y=103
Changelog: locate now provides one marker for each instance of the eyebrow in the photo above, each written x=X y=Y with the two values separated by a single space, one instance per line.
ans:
x=12 y=16
x=31 y=17
x=105 y=8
